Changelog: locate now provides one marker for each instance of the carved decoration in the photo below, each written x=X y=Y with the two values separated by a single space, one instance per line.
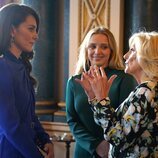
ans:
x=93 y=13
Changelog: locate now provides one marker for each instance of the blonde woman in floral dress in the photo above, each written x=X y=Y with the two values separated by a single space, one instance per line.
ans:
x=132 y=128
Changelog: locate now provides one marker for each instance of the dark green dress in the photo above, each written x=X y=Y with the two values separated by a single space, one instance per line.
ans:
x=87 y=133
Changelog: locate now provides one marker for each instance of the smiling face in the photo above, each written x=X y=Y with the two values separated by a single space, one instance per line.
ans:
x=99 y=50
x=131 y=63
x=24 y=36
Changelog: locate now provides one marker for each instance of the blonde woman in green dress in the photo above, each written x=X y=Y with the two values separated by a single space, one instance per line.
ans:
x=98 y=48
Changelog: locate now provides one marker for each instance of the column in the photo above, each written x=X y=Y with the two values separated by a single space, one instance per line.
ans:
x=139 y=15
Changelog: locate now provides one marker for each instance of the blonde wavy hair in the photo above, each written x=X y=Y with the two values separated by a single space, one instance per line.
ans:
x=146 y=46
x=115 y=61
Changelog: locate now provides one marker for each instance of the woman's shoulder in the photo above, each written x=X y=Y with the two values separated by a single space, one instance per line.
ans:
x=119 y=73
x=72 y=82
x=123 y=77
x=3 y=64
x=115 y=71
x=2 y=60
x=5 y=74
x=147 y=89
x=148 y=85
x=72 y=78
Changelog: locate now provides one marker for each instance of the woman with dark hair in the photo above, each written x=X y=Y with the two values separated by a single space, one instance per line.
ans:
x=21 y=134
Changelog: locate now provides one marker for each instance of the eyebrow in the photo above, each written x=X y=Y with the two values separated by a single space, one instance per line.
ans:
x=98 y=43
x=32 y=25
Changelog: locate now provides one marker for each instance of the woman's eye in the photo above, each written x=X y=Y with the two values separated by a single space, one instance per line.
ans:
x=31 y=29
x=132 y=50
x=92 y=47
x=104 y=47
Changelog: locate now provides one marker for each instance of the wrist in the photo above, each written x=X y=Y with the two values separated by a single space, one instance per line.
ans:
x=105 y=101
x=93 y=101
x=90 y=95
x=101 y=97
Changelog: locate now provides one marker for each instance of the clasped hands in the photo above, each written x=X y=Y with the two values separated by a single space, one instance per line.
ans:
x=95 y=83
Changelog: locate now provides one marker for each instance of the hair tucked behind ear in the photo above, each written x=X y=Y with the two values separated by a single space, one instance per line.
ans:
x=13 y=15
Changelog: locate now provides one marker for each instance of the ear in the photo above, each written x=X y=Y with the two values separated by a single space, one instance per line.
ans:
x=13 y=31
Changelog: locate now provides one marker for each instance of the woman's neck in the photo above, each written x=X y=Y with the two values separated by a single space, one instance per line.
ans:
x=16 y=52
x=139 y=76
x=144 y=78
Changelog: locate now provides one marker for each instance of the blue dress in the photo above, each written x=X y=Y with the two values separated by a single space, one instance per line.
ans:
x=20 y=130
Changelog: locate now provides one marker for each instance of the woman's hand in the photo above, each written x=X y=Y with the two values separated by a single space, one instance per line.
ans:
x=95 y=83
x=49 y=149
x=103 y=149
x=84 y=82
x=99 y=82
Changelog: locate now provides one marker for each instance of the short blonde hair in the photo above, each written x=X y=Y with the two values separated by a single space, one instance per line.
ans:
x=146 y=46
x=115 y=61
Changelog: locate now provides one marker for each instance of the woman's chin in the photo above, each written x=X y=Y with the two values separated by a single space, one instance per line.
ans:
x=99 y=64
x=127 y=71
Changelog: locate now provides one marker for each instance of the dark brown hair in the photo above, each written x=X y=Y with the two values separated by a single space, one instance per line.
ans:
x=13 y=15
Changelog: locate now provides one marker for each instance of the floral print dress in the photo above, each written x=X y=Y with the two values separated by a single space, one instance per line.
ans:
x=132 y=129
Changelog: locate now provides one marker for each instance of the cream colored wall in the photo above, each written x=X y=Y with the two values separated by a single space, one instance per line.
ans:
x=73 y=42
x=116 y=22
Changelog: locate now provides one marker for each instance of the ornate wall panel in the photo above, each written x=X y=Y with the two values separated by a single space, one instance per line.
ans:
x=93 y=13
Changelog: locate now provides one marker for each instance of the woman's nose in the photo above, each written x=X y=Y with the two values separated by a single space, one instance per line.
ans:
x=126 y=55
x=98 y=50
x=35 y=36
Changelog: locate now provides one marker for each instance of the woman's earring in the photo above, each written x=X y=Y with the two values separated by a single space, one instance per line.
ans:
x=12 y=39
